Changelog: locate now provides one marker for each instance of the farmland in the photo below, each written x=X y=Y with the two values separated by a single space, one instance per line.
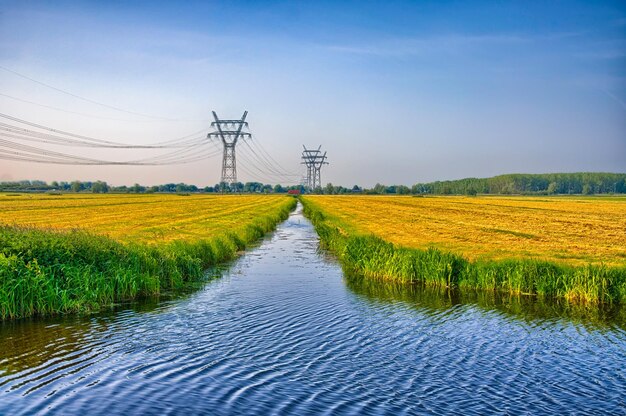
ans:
x=79 y=253
x=571 y=230
x=489 y=242
x=151 y=219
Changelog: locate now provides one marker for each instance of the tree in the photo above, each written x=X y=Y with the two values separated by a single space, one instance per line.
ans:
x=379 y=189
x=99 y=187
x=329 y=189
x=76 y=186
x=418 y=188
x=237 y=187
x=403 y=190
x=552 y=188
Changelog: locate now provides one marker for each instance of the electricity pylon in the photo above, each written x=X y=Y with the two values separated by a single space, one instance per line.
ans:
x=314 y=160
x=229 y=131
x=308 y=156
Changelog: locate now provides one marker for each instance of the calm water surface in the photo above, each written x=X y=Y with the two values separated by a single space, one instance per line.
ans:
x=284 y=332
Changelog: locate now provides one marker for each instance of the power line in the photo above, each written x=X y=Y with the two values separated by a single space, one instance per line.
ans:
x=265 y=179
x=14 y=150
x=253 y=162
x=32 y=154
x=94 y=141
x=37 y=137
x=90 y=100
x=260 y=171
x=15 y=133
x=258 y=144
x=267 y=164
x=72 y=112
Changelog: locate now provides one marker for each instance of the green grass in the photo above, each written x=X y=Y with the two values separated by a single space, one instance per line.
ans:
x=373 y=257
x=44 y=272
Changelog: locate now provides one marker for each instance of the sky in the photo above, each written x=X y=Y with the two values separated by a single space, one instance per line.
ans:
x=396 y=92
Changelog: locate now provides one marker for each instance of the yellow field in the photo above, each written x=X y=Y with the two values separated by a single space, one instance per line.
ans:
x=570 y=230
x=138 y=218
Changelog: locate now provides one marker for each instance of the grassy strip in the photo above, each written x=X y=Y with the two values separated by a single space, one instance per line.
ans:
x=45 y=272
x=373 y=257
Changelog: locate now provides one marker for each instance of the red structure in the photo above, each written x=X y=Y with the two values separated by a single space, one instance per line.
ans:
x=293 y=192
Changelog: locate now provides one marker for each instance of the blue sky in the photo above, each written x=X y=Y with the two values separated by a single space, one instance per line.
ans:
x=396 y=92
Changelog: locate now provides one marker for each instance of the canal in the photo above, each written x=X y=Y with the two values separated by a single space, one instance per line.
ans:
x=283 y=331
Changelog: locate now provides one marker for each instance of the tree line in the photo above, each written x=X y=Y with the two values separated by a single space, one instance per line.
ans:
x=540 y=184
x=526 y=184
x=98 y=187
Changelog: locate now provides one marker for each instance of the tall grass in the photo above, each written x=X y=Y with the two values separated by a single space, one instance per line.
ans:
x=46 y=272
x=373 y=257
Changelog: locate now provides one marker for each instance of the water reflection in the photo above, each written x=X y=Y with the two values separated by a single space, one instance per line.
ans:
x=31 y=342
x=530 y=309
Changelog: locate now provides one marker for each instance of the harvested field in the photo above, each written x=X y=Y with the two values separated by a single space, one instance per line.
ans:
x=572 y=230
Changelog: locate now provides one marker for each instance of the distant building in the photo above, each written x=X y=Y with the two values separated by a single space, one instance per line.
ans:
x=293 y=192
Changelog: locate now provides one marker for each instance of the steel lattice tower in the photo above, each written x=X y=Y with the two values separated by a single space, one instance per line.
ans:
x=317 y=170
x=308 y=156
x=229 y=131
x=314 y=160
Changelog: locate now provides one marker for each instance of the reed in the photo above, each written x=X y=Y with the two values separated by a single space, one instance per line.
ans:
x=371 y=256
x=45 y=271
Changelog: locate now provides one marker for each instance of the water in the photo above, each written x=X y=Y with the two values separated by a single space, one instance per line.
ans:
x=283 y=331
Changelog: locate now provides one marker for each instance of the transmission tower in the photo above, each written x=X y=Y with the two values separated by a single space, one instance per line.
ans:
x=314 y=160
x=229 y=131
x=308 y=157
x=317 y=170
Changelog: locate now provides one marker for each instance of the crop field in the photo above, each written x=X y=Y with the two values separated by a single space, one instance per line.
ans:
x=80 y=253
x=151 y=219
x=572 y=248
x=571 y=230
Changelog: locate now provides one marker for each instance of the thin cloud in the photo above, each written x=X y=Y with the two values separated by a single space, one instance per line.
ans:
x=615 y=98
x=449 y=43
x=603 y=55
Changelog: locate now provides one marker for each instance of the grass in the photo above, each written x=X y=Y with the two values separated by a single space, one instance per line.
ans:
x=50 y=264
x=345 y=226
